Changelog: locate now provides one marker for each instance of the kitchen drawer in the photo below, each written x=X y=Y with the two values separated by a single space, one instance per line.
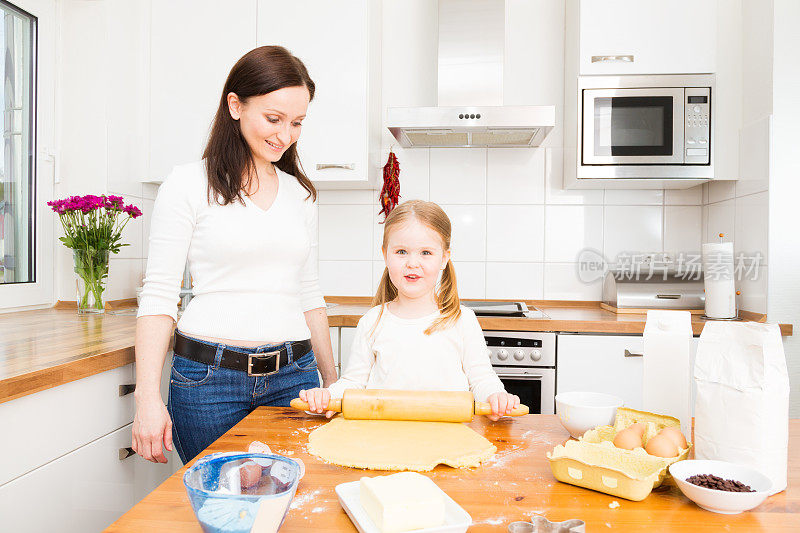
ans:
x=43 y=426
x=83 y=491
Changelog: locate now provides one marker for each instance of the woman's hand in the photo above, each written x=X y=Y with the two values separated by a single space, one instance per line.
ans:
x=152 y=428
x=502 y=403
x=317 y=400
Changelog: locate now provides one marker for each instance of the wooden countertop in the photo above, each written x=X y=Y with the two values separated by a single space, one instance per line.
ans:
x=50 y=347
x=516 y=483
x=568 y=316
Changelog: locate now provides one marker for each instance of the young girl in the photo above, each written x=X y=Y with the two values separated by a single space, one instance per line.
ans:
x=418 y=337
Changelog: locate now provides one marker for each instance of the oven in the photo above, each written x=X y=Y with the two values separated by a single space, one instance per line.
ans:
x=645 y=126
x=525 y=362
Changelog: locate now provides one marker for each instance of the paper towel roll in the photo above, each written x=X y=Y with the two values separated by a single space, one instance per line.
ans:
x=719 y=280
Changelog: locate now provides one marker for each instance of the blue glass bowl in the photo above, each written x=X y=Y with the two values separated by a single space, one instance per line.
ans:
x=223 y=505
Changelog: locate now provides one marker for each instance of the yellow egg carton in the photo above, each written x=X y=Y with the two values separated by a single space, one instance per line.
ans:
x=593 y=462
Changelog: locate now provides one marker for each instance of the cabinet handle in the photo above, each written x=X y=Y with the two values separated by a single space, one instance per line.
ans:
x=628 y=58
x=345 y=166
x=126 y=389
x=124 y=453
x=668 y=296
x=629 y=353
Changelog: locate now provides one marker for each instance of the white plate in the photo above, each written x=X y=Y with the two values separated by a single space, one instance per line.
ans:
x=456 y=519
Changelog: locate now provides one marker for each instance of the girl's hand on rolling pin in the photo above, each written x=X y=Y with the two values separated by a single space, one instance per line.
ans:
x=502 y=403
x=317 y=400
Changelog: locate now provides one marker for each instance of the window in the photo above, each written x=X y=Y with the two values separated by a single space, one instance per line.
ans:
x=17 y=202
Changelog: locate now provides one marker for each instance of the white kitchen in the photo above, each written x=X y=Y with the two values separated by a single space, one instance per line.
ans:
x=617 y=180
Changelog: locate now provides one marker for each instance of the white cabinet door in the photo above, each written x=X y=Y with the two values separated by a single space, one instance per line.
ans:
x=663 y=36
x=345 y=345
x=40 y=427
x=85 y=490
x=599 y=363
x=193 y=45
x=610 y=364
x=339 y=42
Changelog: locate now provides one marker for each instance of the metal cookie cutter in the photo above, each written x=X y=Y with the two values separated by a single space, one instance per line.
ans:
x=540 y=524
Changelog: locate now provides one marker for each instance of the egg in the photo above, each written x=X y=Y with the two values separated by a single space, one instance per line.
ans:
x=639 y=428
x=628 y=439
x=661 y=446
x=675 y=435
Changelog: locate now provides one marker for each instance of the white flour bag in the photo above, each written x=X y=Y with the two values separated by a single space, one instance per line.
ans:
x=742 y=404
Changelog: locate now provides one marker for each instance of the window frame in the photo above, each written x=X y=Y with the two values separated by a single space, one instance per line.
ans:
x=41 y=291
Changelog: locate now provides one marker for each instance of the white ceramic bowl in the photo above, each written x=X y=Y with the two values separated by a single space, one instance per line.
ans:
x=581 y=411
x=720 y=501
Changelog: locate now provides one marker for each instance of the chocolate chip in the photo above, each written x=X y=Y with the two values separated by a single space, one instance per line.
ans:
x=710 y=481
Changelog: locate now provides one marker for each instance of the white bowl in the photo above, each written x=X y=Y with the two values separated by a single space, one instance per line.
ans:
x=720 y=501
x=581 y=411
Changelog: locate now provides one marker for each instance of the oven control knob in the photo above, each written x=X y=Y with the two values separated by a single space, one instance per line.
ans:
x=502 y=354
x=536 y=355
x=519 y=355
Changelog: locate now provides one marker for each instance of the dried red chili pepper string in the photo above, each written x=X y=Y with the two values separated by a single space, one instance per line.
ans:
x=390 y=193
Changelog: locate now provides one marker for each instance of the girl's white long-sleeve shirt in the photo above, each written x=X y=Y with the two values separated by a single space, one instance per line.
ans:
x=254 y=271
x=399 y=355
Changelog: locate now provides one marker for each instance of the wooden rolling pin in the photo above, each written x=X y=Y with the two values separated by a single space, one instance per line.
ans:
x=428 y=406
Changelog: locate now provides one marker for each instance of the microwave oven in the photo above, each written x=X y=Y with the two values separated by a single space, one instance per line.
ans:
x=639 y=127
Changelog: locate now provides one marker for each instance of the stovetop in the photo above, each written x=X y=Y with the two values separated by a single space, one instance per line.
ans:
x=503 y=309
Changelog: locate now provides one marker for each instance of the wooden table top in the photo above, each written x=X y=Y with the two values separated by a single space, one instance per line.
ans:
x=513 y=485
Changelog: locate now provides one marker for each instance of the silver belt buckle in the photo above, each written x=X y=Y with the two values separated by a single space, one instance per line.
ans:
x=251 y=356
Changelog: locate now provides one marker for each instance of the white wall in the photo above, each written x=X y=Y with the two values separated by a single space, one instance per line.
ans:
x=784 y=188
x=516 y=231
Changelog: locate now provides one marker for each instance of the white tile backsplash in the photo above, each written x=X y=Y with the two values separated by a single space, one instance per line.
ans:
x=753 y=289
x=345 y=232
x=514 y=233
x=515 y=280
x=720 y=219
x=124 y=275
x=750 y=227
x=414 y=174
x=346 y=278
x=721 y=190
x=561 y=282
x=571 y=228
x=634 y=197
x=690 y=196
x=469 y=227
x=470 y=279
x=554 y=182
x=631 y=229
x=458 y=175
x=682 y=226
x=515 y=176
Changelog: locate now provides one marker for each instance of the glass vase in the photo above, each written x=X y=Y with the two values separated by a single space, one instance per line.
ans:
x=91 y=268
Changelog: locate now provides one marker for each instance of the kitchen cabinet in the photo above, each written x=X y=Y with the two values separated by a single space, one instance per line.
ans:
x=605 y=363
x=65 y=455
x=339 y=42
x=635 y=37
x=191 y=53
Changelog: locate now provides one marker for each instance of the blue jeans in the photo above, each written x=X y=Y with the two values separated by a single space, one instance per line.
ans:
x=205 y=401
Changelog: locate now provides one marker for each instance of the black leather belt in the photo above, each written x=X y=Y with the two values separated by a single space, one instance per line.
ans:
x=255 y=364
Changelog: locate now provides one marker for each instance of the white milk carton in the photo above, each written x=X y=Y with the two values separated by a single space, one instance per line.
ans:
x=666 y=371
x=742 y=405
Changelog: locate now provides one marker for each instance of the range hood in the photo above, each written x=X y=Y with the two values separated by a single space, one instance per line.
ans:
x=470 y=111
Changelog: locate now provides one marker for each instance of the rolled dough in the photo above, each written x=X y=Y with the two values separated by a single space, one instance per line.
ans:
x=398 y=444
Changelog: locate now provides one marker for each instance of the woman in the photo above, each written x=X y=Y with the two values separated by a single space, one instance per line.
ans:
x=245 y=218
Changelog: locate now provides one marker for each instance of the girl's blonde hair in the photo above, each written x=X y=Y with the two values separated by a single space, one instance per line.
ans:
x=431 y=215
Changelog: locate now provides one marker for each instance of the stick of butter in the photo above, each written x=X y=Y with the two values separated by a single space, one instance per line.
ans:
x=402 y=502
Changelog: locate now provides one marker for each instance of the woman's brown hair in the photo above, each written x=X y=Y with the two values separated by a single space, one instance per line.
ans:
x=431 y=215
x=229 y=161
